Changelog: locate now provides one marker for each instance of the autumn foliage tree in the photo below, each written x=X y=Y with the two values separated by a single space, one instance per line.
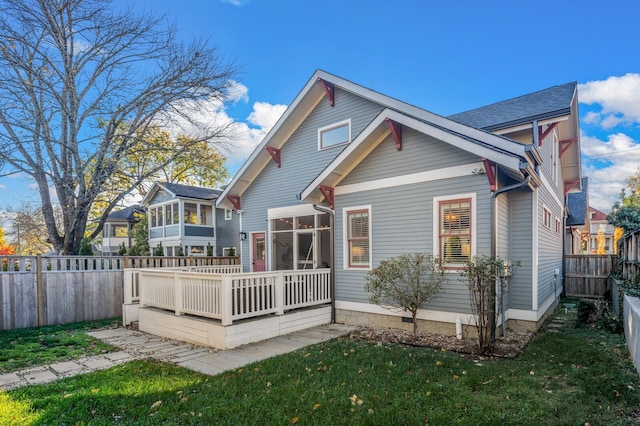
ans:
x=80 y=83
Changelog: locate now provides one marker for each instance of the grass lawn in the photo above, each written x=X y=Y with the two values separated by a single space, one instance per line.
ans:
x=30 y=347
x=573 y=377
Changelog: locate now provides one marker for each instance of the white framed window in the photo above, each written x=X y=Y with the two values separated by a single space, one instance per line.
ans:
x=197 y=250
x=229 y=251
x=357 y=237
x=228 y=214
x=334 y=135
x=546 y=217
x=454 y=229
x=558 y=226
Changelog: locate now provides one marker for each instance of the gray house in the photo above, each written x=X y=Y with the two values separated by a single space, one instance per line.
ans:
x=186 y=216
x=118 y=229
x=349 y=177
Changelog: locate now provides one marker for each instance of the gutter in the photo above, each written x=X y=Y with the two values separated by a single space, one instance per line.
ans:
x=332 y=279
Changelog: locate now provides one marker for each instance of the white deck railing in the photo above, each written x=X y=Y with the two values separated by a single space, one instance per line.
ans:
x=205 y=292
x=132 y=279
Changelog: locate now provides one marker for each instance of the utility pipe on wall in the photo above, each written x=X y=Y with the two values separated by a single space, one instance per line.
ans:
x=332 y=282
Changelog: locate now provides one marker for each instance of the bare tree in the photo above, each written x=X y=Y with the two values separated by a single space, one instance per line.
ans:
x=79 y=82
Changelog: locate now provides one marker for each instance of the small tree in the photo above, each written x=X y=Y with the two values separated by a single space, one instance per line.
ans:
x=209 y=250
x=122 y=250
x=180 y=251
x=407 y=282
x=141 y=237
x=483 y=274
x=85 y=248
x=159 y=250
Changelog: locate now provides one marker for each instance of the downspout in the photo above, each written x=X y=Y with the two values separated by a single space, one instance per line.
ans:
x=494 y=228
x=332 y=279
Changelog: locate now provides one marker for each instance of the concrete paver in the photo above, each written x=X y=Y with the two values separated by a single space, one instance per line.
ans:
x=136 y=344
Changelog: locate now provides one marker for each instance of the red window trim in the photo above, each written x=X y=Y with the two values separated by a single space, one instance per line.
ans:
x=453 y=266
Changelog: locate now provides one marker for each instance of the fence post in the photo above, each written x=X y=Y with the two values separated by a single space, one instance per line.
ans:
x=42 y=303
x=178 y=295
x=280 y=289
x=226 y=298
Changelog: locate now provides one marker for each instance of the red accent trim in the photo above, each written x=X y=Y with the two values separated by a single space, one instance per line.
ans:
x=329 y=90
x=568 y=186
x=235 y=200
x=275 y=154
x=396 y=131
x=490 y=168
x=542 y=135
x=565 y=144
x=328 y=193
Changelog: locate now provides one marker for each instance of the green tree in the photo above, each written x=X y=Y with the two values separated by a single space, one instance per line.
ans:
x=86 y=248
x=140 y=234
x=406 y=282
x=625 y=213
x=159 y=250
x=80 y=82
x=122 y=250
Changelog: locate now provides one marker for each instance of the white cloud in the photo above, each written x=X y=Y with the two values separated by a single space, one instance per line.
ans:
x=617 y=96
x=237 y=92
x=591 y=118
x=608 y=164
x=3 y=186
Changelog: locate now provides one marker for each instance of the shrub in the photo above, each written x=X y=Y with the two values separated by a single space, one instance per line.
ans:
x=407 y=282
x=85 y=248
x=159 y=250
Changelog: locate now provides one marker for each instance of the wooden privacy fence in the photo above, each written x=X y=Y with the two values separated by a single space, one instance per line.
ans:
x=630 y=254
x=37 y=290
x=589 y=275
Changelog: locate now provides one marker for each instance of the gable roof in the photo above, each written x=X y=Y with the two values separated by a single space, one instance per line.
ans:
x=597 y=215
x=127 y=214
x=577 y=205
x=182 y=191
x=541 y=105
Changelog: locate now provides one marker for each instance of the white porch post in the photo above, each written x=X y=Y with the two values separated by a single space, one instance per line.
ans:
x=178 y=293
x=280 y=289
x=226 y=298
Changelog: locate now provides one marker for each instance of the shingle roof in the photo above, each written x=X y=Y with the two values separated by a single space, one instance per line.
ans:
x=191 y=191
x=577 y=205
x=547 y=103
x=128 y=214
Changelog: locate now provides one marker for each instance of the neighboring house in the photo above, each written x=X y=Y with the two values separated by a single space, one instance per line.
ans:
x=118 y=228
x=348 y=177
x=186 y=216
x=577 y=222
x=600 y=229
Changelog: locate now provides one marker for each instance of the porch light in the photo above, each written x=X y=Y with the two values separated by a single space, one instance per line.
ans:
x=243 y=236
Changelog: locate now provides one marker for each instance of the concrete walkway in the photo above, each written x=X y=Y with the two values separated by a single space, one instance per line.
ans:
x=138 y=345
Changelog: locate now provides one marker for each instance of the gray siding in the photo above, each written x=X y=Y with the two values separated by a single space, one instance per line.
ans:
x=402 y=222
x=227 y=232
x=161 y=197
x=419 y=153
x=549 y=249
x=301 y=161
x=198 y=231
x=521 y=220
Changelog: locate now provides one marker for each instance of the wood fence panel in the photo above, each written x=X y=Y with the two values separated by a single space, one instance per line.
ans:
x=589 y=275
x=18 y=301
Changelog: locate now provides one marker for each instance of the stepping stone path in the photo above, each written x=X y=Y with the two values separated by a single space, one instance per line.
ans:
x=138 y=345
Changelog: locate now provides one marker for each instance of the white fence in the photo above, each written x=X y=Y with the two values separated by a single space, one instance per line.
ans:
x=230 y=296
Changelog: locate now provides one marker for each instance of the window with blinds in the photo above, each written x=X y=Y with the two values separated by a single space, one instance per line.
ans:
x=358 y=238
x=455 y=231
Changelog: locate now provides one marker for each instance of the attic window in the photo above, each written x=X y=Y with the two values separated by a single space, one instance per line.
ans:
x=334 y=135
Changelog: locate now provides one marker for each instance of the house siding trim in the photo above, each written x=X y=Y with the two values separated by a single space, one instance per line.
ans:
x=436 y=223
x=534 y=252
x=428 y=176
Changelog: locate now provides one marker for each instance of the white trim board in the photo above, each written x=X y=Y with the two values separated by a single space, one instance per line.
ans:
x=428 y=176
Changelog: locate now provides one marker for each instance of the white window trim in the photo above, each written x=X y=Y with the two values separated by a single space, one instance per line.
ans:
x=345 y=239
x=228 y=214
x=546 y=209
x=436 y=224
x=330 y=127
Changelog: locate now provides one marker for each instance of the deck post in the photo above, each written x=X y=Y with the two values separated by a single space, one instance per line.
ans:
x=226 y=298
x=178 y=295
x=280 y=289
x=128 y=286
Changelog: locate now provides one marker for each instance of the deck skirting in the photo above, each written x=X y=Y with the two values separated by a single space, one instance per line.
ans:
x=211 y=333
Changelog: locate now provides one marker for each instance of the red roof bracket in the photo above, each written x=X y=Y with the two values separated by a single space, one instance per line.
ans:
x=235 y=200
x=396 y=131
x=275 y=154
x=542 y=135
x=490 y=169
x=565 y=144
x=568 y=186
x=328 y=193
x=330 y=90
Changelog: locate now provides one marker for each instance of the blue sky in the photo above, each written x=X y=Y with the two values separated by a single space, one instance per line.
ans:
x=445 y=57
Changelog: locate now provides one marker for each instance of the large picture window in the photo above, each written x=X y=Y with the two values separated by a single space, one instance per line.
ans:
x=454 y=219
x=358 y=238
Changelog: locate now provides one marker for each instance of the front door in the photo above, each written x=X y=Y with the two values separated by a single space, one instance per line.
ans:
x=258 y=252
